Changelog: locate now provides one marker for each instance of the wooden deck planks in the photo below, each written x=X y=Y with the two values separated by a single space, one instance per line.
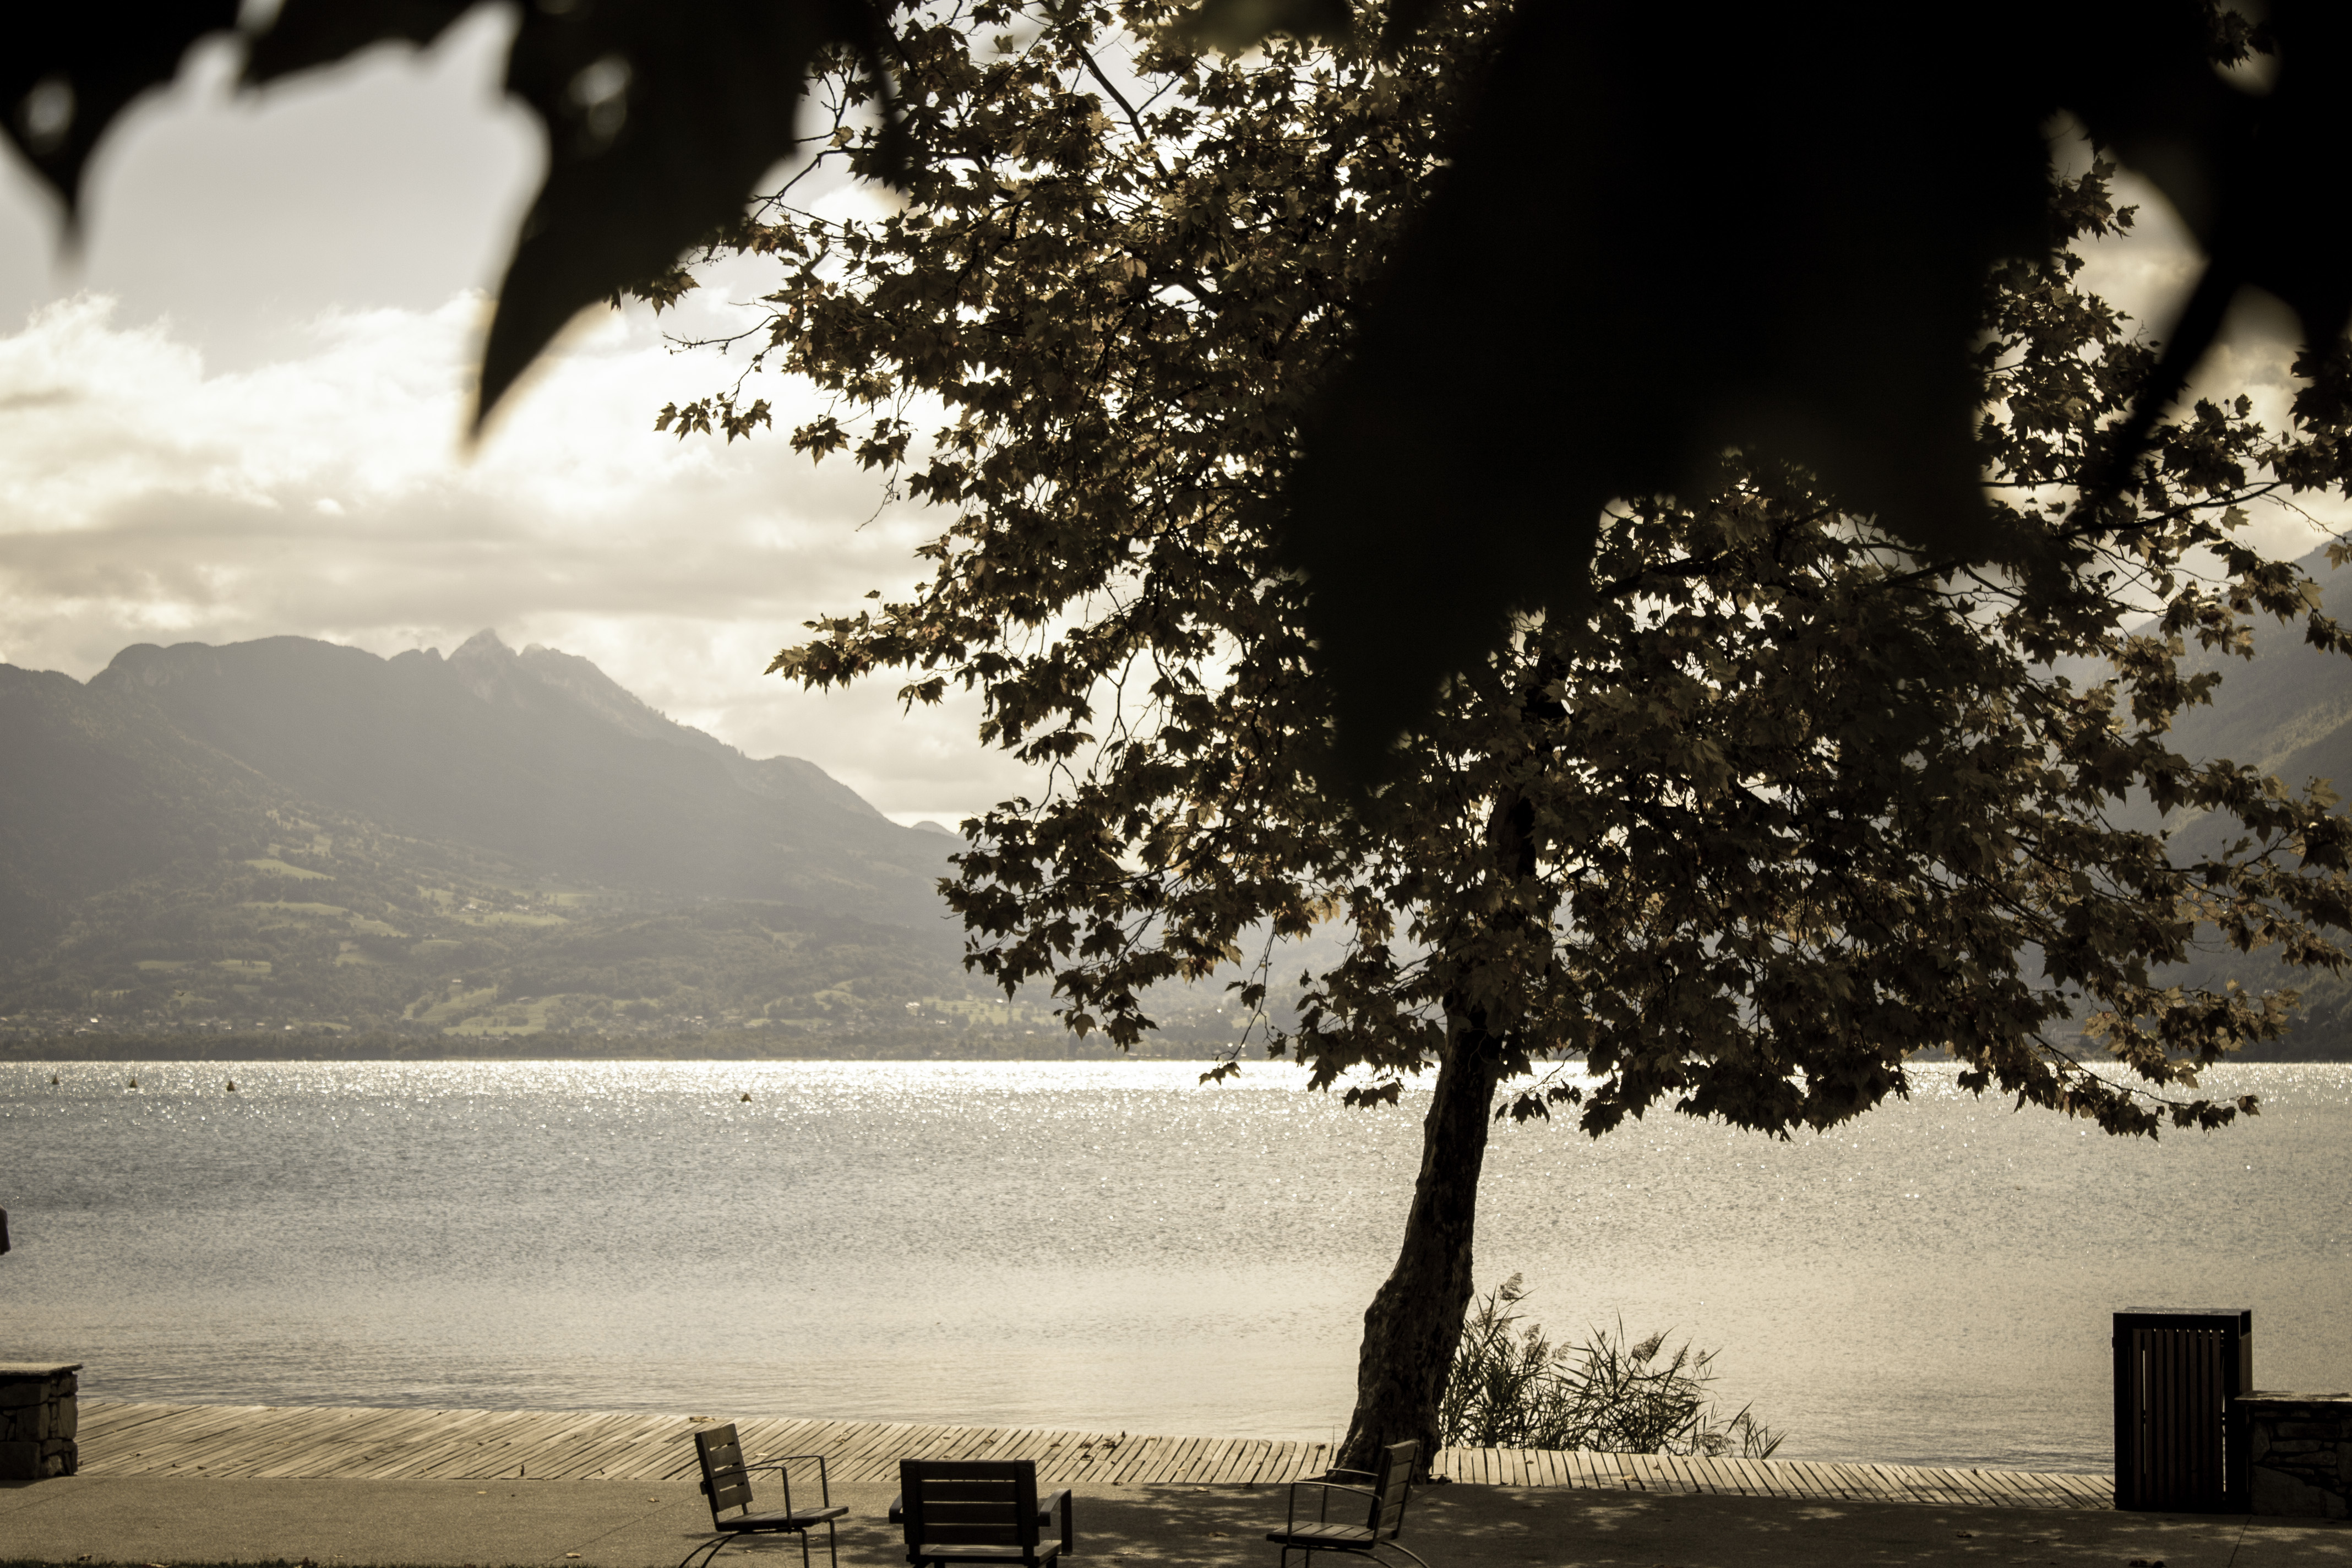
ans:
x=225 y=1444
x=502 y=1445
x=1237 y=1461
x=290 y=1441
x=123 y=1438
x=359 y=1450
x=190 y=1438
x=870 y=1450
x=160 y=1439
x=1999 y=1485
x=545 y=1443
x=764 y=1438
x=464 y=1444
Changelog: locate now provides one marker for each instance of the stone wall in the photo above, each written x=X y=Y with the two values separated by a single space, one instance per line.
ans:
x=2300 y=1448
x=38 y=1417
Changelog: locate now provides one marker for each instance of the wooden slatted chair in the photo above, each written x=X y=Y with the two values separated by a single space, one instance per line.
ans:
x=1383 y=1515
x=727 y=1482
x=978 y=1511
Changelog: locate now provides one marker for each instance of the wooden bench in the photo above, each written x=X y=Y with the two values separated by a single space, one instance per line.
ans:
x=727 y=1482
x=1383 y=1514
x=978 y=1511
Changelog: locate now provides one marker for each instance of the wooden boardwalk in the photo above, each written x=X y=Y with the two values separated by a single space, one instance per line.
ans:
x=119 y=1438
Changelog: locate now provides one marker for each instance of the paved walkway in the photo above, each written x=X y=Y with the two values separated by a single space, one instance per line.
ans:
x=165 y=1485
x=170 y=1520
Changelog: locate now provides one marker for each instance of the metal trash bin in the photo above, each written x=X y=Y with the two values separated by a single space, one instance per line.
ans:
x=2180 y=1446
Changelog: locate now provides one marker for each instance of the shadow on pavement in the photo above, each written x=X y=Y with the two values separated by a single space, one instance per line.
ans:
x=620 y=1524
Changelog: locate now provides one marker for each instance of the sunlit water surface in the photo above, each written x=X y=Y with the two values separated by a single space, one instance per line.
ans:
x=1112 y=1245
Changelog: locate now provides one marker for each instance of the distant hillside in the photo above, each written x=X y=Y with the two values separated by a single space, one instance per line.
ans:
x=96 y=792
x=2286 y=711
x=540 y=759
x=288 y=835
x=291 y=837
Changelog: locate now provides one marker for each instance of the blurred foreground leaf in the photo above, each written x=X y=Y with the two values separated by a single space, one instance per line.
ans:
x=1666 y=235
x=1661 y=233
x=661 y=118
x=68 y=70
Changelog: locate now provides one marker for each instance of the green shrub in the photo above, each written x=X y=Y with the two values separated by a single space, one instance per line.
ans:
x=1511 y=1388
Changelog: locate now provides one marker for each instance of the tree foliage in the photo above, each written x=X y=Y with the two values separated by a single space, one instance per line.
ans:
x=1791 y=797
x=1663 y=233
x=1656 y=234
x=1783 y=759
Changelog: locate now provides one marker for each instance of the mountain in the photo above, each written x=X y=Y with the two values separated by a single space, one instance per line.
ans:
x=288 y=835
x=2286 y=711
x=295 y=833
x=539 y=758
x=95 y=792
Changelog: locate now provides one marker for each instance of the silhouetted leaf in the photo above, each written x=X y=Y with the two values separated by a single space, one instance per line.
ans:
x=1239 y=24
x=309 y=33
x=1663 y=237
x=661 y=118
x=1663 y=232
x=2250 y=192
x=70 y=69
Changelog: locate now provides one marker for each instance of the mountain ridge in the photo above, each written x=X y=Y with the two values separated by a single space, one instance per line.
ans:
x=298 y=836
x=541 y=760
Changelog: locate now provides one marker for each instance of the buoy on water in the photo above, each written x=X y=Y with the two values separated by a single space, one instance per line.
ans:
x=747 y=1097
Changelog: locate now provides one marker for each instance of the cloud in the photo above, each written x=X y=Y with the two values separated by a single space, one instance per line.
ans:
x=327 y=493
x=310 y=480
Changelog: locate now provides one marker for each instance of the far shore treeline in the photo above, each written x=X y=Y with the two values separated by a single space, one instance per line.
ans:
x=1052 y=1044
x=290 y=850
x=717 y=1045
x=286 y=848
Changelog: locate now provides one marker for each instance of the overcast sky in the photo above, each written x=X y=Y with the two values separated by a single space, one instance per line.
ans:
x=238 y=417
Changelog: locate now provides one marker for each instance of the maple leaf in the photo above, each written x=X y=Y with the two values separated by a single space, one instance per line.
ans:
x=70 y=69
x=661 y=116
x=1661 y=241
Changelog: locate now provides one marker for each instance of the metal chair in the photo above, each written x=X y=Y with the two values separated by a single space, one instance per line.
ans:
x=978 y=1511
x=727 y=1482
x=1383 y=1517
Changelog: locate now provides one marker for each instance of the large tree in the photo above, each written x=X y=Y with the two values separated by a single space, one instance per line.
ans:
x=1778 y=802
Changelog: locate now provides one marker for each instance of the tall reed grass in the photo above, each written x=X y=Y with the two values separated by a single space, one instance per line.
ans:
x=1512 y=1388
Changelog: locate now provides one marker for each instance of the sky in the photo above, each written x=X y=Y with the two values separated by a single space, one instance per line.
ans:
x=236 y=413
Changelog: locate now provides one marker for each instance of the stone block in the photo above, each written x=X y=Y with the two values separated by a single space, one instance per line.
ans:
x=29 y=1391
x=21 y=1462
x=69 y=1422
x=2301 y=1449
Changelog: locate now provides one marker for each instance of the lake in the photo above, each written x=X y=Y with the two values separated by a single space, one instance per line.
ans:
x=1110 y=1245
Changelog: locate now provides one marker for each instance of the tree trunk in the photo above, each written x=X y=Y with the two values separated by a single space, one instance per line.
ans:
x=1414 y=1322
